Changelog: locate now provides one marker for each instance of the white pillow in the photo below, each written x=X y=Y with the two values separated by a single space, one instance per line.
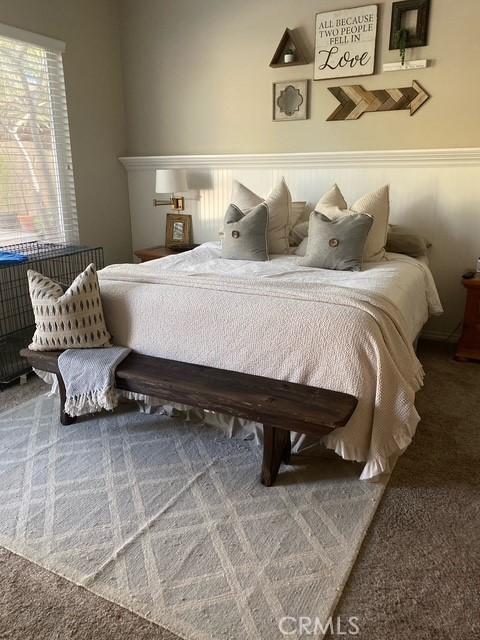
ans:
x=332 y=198
x=375 y=204
x=279 y=204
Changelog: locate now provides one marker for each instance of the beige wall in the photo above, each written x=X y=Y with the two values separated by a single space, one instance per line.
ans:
x=198 y=79
x=94 y=86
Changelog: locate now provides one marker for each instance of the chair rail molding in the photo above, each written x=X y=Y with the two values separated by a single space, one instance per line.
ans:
x=390 y=158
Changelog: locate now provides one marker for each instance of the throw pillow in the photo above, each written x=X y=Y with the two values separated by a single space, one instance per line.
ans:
x=301 y=250
x=298 y=233
x=299 y=212
x=337 y=244
x=375 y=204
x=245 y=233
x=71 y=319
x=278 y=202
x=332 y=199
x=299 y=215
x=399 y=228
x=410 y=244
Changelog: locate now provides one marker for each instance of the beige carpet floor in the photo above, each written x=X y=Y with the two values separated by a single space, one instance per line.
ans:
x=417 y=576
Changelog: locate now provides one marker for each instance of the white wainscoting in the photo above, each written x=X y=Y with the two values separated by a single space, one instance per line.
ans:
x=435 y=192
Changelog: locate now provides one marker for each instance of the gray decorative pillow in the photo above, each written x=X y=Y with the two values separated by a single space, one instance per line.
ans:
x=245 y=233
x=301 y=250
x=400 y=240
x=298 y=233
x=278 y=202
x=407 y=243
x=71 y=319
x=336 y=244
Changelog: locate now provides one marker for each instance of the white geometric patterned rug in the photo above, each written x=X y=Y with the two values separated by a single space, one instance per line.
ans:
x=169 y=520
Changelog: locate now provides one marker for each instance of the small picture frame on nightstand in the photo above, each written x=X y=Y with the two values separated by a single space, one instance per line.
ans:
x=179 y=230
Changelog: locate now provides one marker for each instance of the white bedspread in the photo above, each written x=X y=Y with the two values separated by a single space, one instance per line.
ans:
x=350 y=332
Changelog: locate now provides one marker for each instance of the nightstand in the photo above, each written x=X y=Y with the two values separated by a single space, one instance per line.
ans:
x=144 y=255
x=469 y=345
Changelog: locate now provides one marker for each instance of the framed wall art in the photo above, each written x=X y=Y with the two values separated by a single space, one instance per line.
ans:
x=179 y=230
x=409 y=17
x=290 y=100
x=345 y=43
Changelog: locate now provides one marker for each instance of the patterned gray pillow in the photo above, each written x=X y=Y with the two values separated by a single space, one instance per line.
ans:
x=336 y=244
x=245 y=233
x=71 y=319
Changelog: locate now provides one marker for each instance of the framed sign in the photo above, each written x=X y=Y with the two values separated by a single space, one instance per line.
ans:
x=345 y=43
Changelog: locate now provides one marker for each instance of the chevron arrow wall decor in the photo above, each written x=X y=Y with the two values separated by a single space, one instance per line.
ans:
x=355 y=100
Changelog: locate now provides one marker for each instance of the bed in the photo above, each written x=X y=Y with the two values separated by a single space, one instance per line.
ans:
x=346 y=331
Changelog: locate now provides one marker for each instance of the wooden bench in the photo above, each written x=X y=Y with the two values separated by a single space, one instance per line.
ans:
x=280 y=406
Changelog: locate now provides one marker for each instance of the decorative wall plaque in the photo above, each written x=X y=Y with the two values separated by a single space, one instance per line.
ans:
x=290 y=100
x=355 y=100
x=345 y=43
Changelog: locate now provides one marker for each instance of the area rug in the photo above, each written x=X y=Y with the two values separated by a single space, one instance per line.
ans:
x=169 y=520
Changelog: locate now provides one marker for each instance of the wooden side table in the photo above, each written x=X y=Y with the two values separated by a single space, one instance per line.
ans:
x=144 y=255
x=469 y=345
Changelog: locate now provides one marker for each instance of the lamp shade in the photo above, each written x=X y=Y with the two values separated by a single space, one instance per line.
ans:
x=170 y=181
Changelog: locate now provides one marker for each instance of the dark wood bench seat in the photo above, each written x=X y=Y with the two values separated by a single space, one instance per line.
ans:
x=280 y=406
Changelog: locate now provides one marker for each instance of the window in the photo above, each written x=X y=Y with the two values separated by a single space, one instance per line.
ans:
x=37 y=195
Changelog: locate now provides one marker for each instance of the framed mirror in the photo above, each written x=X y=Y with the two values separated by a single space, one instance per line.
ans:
x=290 y=100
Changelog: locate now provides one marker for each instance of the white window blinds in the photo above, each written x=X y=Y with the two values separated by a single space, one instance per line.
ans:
x=37 y=195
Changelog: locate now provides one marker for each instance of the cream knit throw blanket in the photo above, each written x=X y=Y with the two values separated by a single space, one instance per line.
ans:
x=89 y=377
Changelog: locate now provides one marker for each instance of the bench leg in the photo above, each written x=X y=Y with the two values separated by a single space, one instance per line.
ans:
x=276 y=449
x=65 y=419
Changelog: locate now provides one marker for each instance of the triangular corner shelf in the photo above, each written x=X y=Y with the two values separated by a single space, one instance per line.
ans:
x=289 y=41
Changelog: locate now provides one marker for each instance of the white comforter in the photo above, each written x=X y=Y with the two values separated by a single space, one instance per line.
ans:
x=350 y=332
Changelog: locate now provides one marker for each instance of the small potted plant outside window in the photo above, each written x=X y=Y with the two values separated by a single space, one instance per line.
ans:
x=289 y=56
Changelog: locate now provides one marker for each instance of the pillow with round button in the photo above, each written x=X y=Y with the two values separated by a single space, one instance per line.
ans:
x=279 y=203
x=245 y=233
x=375 y=204
x=336 y=243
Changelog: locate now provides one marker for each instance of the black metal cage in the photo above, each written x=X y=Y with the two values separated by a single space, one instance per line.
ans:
x=61 y=262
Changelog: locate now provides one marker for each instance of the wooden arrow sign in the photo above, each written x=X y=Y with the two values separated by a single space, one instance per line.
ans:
x=355 y=101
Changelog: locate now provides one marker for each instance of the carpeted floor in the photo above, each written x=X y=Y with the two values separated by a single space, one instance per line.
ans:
x=417 y=575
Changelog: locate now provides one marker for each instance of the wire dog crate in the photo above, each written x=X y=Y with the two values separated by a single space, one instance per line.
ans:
x=61 y=262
